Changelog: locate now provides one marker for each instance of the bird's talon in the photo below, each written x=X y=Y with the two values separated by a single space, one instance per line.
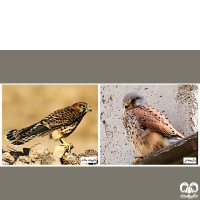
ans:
x=138 y=158
x=69 y=147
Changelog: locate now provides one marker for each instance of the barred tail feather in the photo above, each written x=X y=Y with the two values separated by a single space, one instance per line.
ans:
x=14 y=135
x=10 y=135
x=21 y=136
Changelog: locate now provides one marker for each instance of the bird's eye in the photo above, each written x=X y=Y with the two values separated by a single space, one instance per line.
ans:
x=83 y=106
x=133 y=100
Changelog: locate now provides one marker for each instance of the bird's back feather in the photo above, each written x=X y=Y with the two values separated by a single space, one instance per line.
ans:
x=155 y=121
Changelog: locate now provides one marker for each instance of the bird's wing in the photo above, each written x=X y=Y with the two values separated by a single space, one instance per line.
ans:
x=155 y=121
x=61 y=117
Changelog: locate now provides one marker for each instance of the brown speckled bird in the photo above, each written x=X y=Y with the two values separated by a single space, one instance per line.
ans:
x=59 y=124
x=146 y=128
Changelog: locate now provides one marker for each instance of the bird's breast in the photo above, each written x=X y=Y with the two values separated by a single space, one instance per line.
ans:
x=56 y=135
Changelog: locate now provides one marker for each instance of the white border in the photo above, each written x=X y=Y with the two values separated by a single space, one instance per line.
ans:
x=99 y=84
x=1 y=124
x=99 y=112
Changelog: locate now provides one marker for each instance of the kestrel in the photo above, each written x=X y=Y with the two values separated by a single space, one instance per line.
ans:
x=59 y=124
x=146 y=128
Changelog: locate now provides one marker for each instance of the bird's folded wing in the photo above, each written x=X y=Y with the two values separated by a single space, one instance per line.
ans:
x=61 y=117
x=155 y=121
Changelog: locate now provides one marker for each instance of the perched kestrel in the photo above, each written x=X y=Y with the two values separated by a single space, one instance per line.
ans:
x=146 y=128
x=59 y=124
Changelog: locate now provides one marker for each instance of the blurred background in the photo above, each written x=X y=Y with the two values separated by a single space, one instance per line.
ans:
x=24 y=105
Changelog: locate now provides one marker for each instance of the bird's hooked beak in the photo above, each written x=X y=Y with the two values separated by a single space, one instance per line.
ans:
x=89 y=109
x=126 y=104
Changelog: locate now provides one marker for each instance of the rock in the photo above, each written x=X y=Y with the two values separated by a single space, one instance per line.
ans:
x=22 y=160
x=26 y=151
x=39 y=155
x=16 y=154
x=6 y=157
x=37 y=152
x=91 y=152
x=5 y=163
x=70 y=159
x=73 y=159
x=60 y=151
x=37 y=162
x=18 y=162
x=49 y=159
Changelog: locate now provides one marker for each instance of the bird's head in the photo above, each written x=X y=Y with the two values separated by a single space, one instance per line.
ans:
x=133 y=100
x=83 y=107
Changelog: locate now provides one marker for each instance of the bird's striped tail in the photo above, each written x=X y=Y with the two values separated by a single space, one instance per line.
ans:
x=21 y=136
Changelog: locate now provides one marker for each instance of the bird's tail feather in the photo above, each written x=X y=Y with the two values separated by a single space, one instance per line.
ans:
x=21 y=136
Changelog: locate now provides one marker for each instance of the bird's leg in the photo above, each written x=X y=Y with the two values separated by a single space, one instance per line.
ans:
x=138 y=158
x=68 y=145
